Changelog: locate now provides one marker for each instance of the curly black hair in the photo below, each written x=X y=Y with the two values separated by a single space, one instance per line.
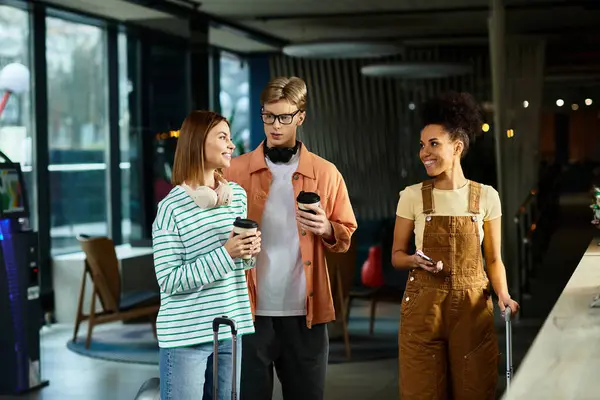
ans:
x=458 y=113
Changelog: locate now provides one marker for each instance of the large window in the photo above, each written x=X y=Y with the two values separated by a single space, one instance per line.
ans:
x=125 y=88
x=78 y=131
x=16 y=130
x=130 y=134
x=235 y=103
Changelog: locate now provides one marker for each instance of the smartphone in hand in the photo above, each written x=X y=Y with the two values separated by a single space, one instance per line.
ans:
x=438 y=264
x=423 y=256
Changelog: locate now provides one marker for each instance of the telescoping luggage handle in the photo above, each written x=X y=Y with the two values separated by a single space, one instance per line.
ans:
x=217 y=322
x=509 y=360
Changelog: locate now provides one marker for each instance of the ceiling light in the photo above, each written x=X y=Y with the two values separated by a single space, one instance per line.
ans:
x=574 y=107
x=485 y=127
x=411 y=106
x=560 y=102
x=416 y=70
x=588 y=102
x=340 y=50
x=525 y=104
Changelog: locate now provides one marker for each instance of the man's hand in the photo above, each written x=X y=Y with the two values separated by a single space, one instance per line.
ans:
x=317 y=224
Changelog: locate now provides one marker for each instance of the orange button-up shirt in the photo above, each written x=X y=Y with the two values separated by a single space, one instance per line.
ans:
x=314 y=174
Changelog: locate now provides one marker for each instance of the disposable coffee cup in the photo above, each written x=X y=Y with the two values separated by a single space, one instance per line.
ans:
x=308 y=198
x=241 y=226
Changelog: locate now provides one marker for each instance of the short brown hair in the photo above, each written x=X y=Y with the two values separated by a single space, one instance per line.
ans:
x=292 y=89
x=189 y=154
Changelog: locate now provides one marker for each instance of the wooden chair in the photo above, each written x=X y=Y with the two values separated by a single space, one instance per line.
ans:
x=102 y=266
x=341 y=268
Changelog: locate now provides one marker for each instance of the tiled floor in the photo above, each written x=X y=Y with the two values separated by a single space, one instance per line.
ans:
x=73 y=376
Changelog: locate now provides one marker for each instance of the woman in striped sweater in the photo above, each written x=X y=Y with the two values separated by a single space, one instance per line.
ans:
x=198 y=262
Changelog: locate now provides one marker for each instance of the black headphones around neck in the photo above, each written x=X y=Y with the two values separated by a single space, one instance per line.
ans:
x=280 y=154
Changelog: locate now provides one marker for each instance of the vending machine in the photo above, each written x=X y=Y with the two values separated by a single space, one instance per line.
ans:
x=20 y=306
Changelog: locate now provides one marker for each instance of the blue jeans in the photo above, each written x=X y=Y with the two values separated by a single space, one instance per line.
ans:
x=187 y=372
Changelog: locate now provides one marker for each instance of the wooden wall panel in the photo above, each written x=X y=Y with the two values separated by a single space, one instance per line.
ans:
x=364 y=125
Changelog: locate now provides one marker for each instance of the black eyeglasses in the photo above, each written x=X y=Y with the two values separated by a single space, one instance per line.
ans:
x=284 y=119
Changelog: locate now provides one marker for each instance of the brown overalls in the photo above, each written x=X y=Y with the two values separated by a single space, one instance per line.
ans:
x=448 y=345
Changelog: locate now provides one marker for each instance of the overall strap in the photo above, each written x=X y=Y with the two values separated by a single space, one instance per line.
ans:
x=427 y=196
x=474 y=196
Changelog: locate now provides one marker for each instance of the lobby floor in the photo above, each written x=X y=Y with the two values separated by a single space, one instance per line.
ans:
x=73 y=376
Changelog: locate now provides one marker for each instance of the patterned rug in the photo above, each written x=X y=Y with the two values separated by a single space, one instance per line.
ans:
x=130 y=343
x=134 y=343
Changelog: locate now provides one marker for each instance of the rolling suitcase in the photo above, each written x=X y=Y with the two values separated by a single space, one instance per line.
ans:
x=509 y=360
x=150 y=390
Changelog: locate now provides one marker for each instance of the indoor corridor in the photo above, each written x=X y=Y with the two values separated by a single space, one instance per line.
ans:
x=76 y=377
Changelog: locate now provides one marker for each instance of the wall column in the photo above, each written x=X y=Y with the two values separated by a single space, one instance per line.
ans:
x=260 y=75
x=199 y=71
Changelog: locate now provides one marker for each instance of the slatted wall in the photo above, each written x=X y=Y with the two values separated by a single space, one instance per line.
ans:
x=364 y=125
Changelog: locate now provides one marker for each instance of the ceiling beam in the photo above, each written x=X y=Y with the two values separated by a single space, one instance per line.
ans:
x=525 y=6
x=478 y=38
x=185 y=11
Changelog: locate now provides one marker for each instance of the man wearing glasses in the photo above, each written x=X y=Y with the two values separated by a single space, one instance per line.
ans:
x=289 y=288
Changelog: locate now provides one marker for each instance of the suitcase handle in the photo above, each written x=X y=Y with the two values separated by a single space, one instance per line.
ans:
x=217 y=322
x=509 y=360
x=507 y=313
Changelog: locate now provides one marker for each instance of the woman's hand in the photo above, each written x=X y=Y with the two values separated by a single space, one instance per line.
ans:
x=420 y=262
x=505 y=301
x=246 y=244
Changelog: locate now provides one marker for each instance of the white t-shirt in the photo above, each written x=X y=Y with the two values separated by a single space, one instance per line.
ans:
x=280 y=278
x=447 y=203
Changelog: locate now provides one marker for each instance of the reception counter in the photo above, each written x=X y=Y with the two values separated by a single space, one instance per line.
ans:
x=563 y=362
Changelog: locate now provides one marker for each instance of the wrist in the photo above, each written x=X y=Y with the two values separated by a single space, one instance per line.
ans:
x=329 y=234
x=504 y=295
x=414 y=261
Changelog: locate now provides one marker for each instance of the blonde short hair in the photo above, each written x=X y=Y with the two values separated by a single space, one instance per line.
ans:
x=292 y=89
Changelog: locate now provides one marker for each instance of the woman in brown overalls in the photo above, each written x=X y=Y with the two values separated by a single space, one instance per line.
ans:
x=448 y=345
